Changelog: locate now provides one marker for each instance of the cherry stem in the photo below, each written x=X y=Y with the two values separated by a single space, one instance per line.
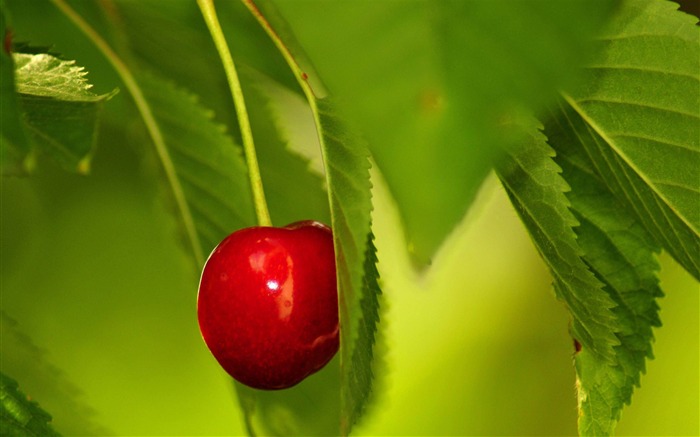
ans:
x=209 y=12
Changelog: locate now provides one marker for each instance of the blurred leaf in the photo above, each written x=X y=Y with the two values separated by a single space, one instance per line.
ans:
x=59 y=111
x=427 y=83
x=536 y=189
x=293 y=118
x=280 y=164
x=208 y=165
x=637 y=115
x=14 y=146
x=19 y=415
x=621 y=254
x=310 y=408
x=139 y=21
x=30 y=363
x=146 y=27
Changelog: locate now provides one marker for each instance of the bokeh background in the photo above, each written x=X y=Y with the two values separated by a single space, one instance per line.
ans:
x=99 y=322
x=106 y=337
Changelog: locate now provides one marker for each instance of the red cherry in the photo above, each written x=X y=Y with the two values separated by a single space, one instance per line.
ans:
x=268 y=303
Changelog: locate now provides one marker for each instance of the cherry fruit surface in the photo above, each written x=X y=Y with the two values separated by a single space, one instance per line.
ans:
x=268 y=304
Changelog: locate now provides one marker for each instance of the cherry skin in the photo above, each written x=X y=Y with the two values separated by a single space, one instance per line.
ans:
x=268 y=304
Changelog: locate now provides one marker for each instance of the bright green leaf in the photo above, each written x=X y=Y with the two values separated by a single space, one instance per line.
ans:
x=637 y=115
x=18 y=415
x=44 y=75
x=208 y=164
x=536 y=189
x=622 y=255
x=59 y=110
x=427 y=82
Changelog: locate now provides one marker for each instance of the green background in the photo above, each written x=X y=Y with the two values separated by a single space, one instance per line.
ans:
x=106 y=338
x=93 y=272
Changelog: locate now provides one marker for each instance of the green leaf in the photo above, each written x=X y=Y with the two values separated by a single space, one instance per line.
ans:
x=208 y=165
x=20 y=416
x=59 y=111
x=637 y=115
x=15 y=149
x=279 y=161
x=346 y=163
x=289 y=412
x=310 y=408
x=147 y=27
x=622 y=255
x=428 y=81
x=293 y=119
x=22 y=358
x=347 y=173
x=536 y=189
x=362 y=359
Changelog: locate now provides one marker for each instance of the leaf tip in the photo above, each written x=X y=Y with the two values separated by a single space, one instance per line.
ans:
x=84 y=165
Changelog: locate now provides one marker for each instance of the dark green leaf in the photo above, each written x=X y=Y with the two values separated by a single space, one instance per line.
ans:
x=347 y=172
x=637 y=115
x=15 y=149
x=362 y=359
x=59 y=110
x=209 y=167
x=536 y=189
x=147 y=28
x=20 y=416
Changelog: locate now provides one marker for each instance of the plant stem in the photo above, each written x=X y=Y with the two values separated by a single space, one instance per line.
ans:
x=209 y=13
x=149 y=120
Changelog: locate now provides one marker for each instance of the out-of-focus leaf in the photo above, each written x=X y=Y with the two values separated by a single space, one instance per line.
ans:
x=536 y=189
x=637 y=115
x=208 y=165
x=59 y=110
x=294 y=120
x=14 y=146
x=23 y=359
x=427 y=82
x=18 y=415
x=139 y=22
x=147 y=31
x=280 y=164
x=310 y=408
